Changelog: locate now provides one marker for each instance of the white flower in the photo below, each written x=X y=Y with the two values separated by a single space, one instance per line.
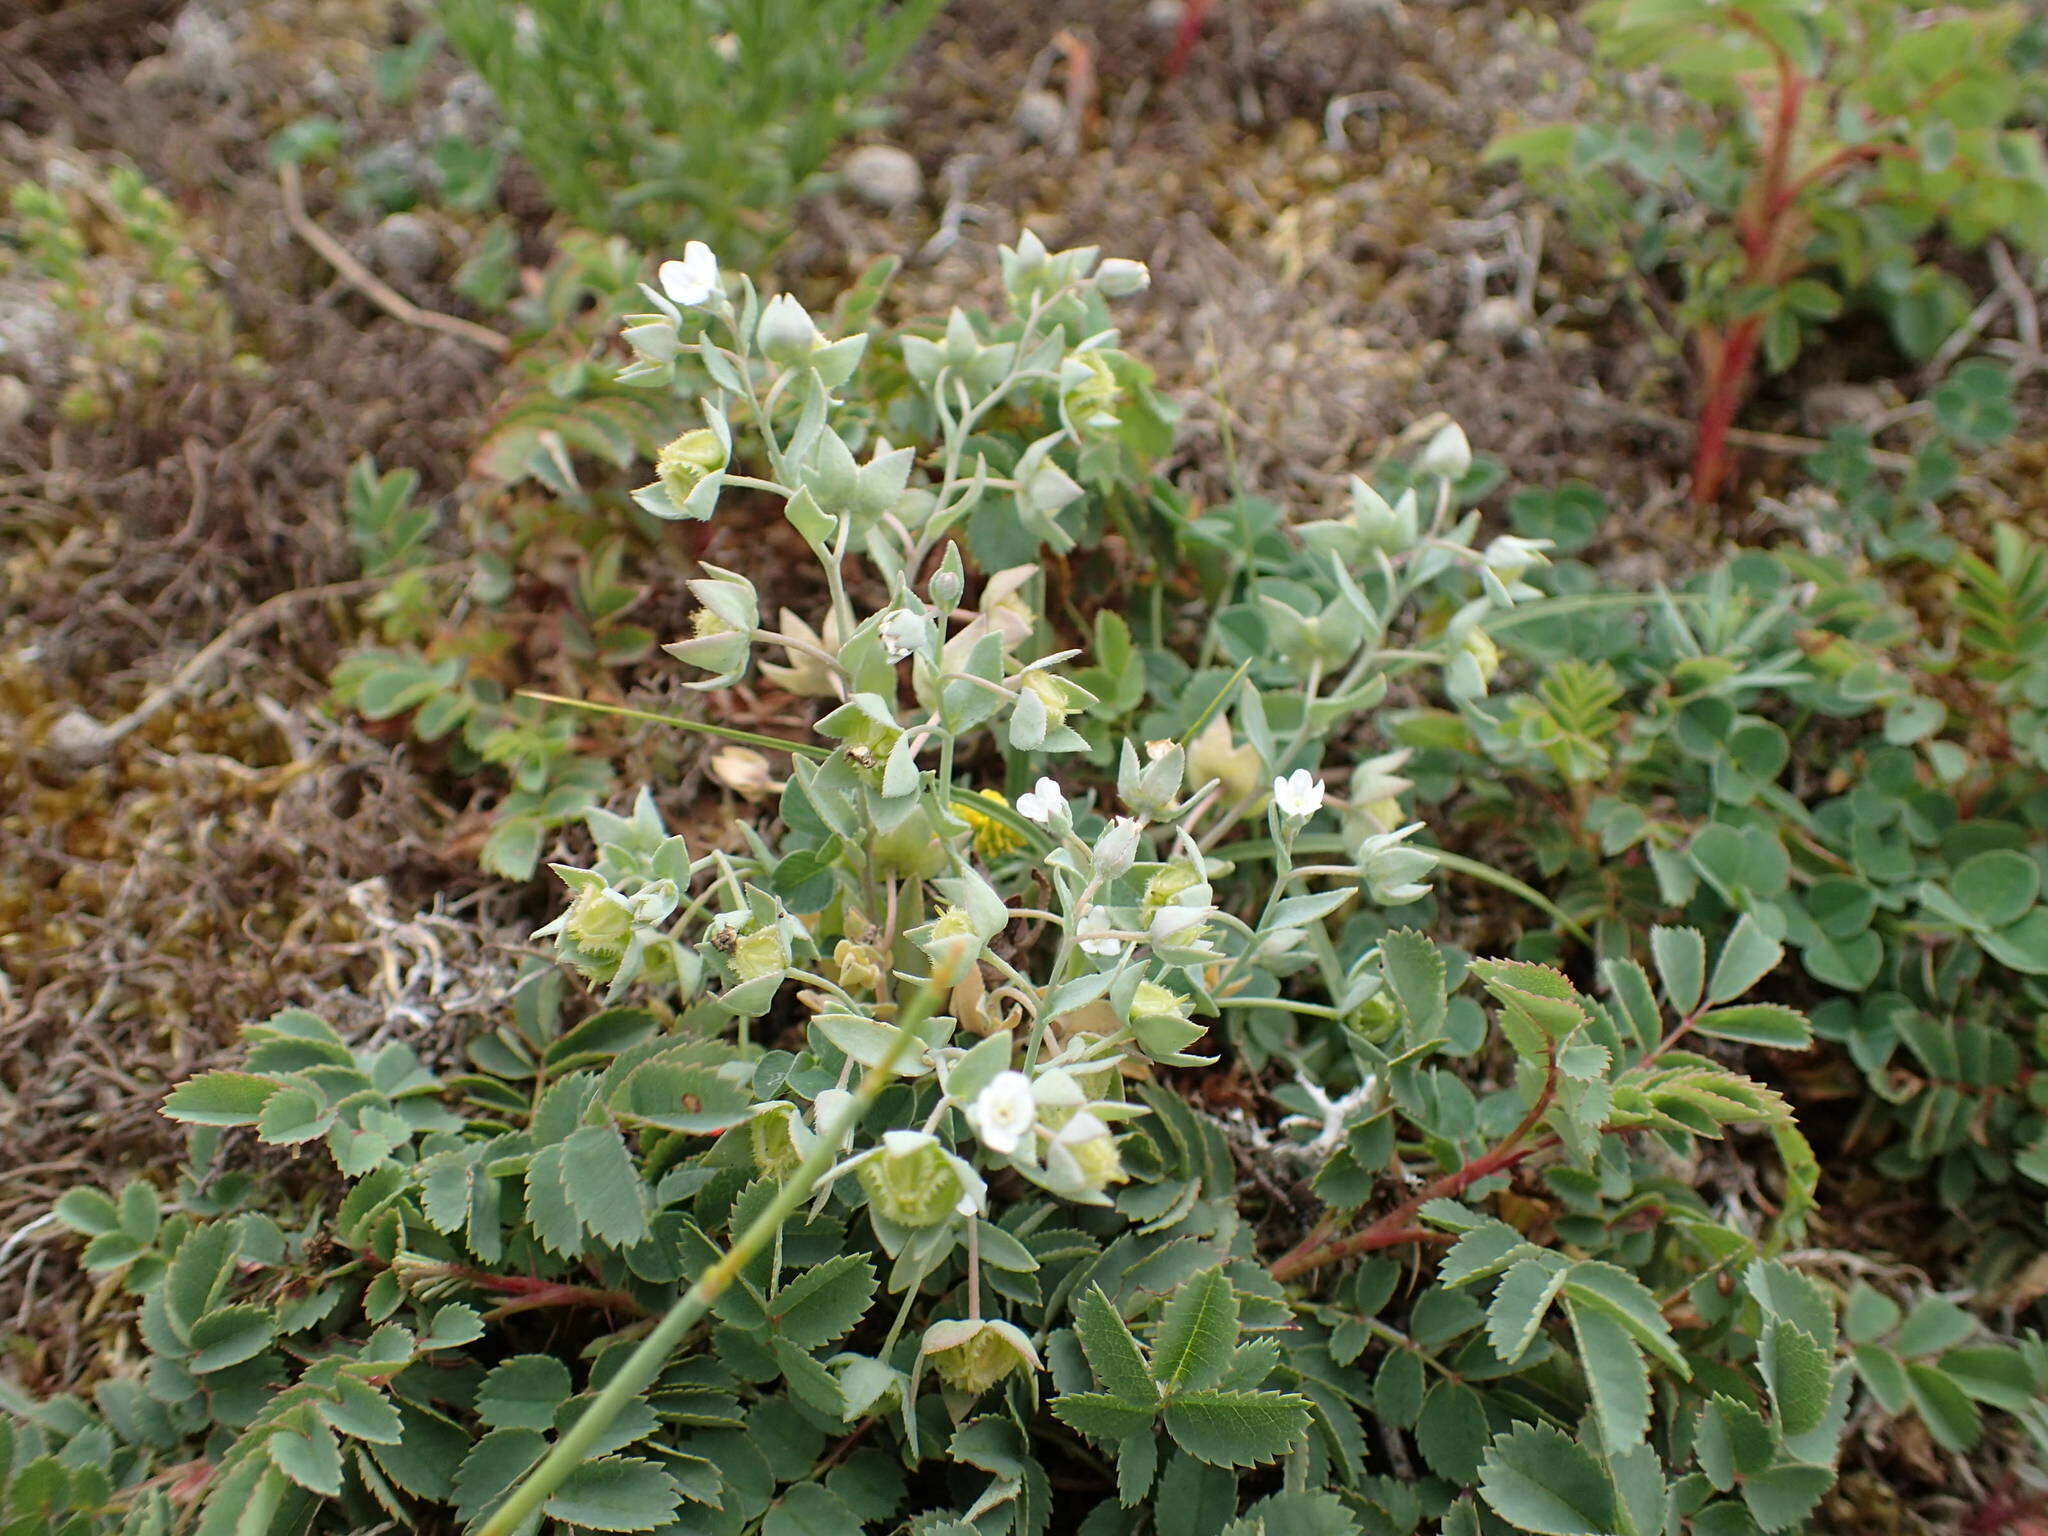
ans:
x=693 y=280
x=902 y=632
x=1003 y=1113
x=1043 y=803
x=1094 y=933
x=1299 y=795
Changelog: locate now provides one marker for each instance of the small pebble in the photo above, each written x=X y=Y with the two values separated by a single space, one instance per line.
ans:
x=1492 y=322
x=1040 y=116
x=406 y=246
x=77 y=741
x=883 y=176
x=1165 y=15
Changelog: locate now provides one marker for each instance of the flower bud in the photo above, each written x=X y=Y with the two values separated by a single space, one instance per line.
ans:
x=776 y=1138
x=683 y=464
x=859 y=967
x=1391 y=870
x=913 y=1181
x=1393 y=528
x=948 y=582
x=1448 y=456
x=1118 y=848
x=1160 y=1020
x=1119 y=278
x=1083 y=1156
x=972 y=1356
x=786 y=334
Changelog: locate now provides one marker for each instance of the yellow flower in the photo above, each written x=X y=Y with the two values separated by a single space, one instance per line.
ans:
x=992 y=839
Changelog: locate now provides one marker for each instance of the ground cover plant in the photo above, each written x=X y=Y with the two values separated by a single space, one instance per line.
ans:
x=980 y=944
x=1840 y=136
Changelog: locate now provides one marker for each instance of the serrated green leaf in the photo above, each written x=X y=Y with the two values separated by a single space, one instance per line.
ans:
x=1451 y=1432
x=361 y=1411
x=824 y=1302
x=1236 y=1429
x=1616 y=1378
x=1934 y=1324
x=1101 y=1416
x=1415 y=972
x=1733 y=1440
x=523 y=1392
x=616 y=1493
x=1484 y=1251
x=810 y=1509
x=1798 y=1372
x=497 y=1461
x=1397 y=1389
x=1681 y=957
x=603 y=1186
x=1781 y=1496
x=220 y=1098
x=1137 y=1464
x=1538 y=1481
x=1196 y=1334
x=1632 y=1305
x=1944 y=1407
x=1869 y=1314
x=312 y=1461
x=229 y=1335
x=1519 y=1304
x=1748 y=955
x=1112 y=1350
x=1993 y=1374
x=1782 y=1029
x=87 y=1212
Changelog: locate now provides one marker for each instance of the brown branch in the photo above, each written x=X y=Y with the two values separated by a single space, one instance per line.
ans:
x=1396 y=1228
x=367 y=283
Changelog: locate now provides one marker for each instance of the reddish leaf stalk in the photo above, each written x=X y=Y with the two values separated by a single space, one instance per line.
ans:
x=1396 y=1227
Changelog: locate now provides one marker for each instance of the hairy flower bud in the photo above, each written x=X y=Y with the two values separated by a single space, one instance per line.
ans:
x=683 y=464
x=913 y=1181
x=972 y=1356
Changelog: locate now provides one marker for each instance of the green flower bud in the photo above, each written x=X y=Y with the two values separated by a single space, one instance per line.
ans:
x=683 y=464
x=913 y=1181
x=786 y=334
x=764 y=952
x=777 y=1139
x=971 y=1357
x=600 y=922
x=1376 y=1018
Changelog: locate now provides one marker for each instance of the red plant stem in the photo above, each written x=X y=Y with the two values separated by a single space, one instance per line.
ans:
x=1394 y=1228
x=1192 y=14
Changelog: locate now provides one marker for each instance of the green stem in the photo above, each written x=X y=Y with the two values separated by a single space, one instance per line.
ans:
x=703 y=727
x=525 y=1502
